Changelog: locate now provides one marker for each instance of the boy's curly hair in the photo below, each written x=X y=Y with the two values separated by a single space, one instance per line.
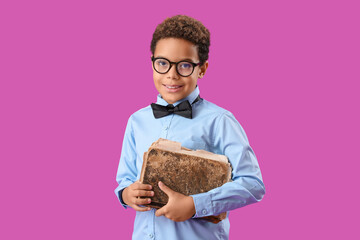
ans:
x=181 y=26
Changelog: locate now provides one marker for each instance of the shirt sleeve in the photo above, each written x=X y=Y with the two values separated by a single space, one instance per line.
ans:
x=246 y=186
x=127 y=171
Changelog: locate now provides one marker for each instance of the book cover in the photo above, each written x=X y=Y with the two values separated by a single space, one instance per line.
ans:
x=183 y=170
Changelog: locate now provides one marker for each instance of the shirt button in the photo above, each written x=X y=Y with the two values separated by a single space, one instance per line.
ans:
x=150 y=235
x=204 y=211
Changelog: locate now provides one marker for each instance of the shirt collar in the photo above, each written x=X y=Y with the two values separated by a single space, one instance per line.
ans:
x=191 y=98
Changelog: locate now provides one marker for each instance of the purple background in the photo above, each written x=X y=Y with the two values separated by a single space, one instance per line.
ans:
x=72 y=72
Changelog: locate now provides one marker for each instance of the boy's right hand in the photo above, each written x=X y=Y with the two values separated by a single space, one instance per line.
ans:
x=131 y=195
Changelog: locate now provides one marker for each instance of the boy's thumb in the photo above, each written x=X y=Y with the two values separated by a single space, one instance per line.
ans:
x=165 y=188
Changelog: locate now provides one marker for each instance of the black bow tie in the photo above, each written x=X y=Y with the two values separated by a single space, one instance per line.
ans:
x=183 y=109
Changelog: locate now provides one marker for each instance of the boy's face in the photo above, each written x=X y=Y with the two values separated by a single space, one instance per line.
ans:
x=172 y=86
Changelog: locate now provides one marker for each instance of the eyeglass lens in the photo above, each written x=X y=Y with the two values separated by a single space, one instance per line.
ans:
x=183 y=68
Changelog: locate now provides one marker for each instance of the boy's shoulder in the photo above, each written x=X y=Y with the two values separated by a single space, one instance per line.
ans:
x=211 y=109
x=142 y=112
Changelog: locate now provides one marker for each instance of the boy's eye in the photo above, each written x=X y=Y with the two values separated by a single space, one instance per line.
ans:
x=162 y=63
x=185 y=65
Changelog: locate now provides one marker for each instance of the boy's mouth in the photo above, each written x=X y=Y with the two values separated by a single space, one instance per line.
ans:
x=172 y=88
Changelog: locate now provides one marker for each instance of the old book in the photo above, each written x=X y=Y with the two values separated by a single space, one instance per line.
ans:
x=183 y=170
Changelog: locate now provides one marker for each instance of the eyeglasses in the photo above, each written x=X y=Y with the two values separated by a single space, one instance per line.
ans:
x=183 y=68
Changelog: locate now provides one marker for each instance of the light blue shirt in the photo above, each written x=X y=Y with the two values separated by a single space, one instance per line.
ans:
x=212 y=128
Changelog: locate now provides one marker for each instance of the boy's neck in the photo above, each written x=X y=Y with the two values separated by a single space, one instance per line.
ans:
x=191 y=98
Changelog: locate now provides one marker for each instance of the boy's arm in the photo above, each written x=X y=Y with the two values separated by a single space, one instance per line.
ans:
x=127 y=171
x=247 y=186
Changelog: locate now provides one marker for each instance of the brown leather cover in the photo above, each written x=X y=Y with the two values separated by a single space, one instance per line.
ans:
x=183 y=172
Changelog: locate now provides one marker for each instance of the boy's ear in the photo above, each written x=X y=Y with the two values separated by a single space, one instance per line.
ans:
x=203 y=69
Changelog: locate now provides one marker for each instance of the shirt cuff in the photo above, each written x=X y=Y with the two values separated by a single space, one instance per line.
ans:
x=203 y=205
x=118 y=192
x=121 y=200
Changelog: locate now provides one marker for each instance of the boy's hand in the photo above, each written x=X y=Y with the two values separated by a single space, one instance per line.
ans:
x=131 y=195
x=179 y=207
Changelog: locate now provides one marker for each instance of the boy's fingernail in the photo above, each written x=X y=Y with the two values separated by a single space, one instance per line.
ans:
x=152 y=193
x=149 y=200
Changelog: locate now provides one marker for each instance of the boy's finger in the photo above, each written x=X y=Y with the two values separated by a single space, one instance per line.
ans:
x=160 y=212
x=140 y=209
x=142 y=201
x=143 y=193
x=142 y=186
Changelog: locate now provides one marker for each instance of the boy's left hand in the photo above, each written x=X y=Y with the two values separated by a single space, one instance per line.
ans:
x=179 y=207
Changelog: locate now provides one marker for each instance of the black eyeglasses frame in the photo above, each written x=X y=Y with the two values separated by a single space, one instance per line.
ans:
x=153 y=59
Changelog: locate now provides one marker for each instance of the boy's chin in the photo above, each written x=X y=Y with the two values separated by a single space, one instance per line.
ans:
x=174 y=97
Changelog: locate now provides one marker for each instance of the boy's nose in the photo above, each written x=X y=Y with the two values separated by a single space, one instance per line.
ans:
x=172 y=73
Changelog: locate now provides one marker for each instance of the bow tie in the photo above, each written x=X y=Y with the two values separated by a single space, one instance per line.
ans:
x=183 y=109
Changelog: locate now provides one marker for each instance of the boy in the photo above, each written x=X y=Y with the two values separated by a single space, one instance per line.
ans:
x=180 y=48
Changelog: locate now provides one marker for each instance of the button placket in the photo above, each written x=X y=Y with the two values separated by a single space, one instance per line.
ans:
x=166 y=125
x=151 y=232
